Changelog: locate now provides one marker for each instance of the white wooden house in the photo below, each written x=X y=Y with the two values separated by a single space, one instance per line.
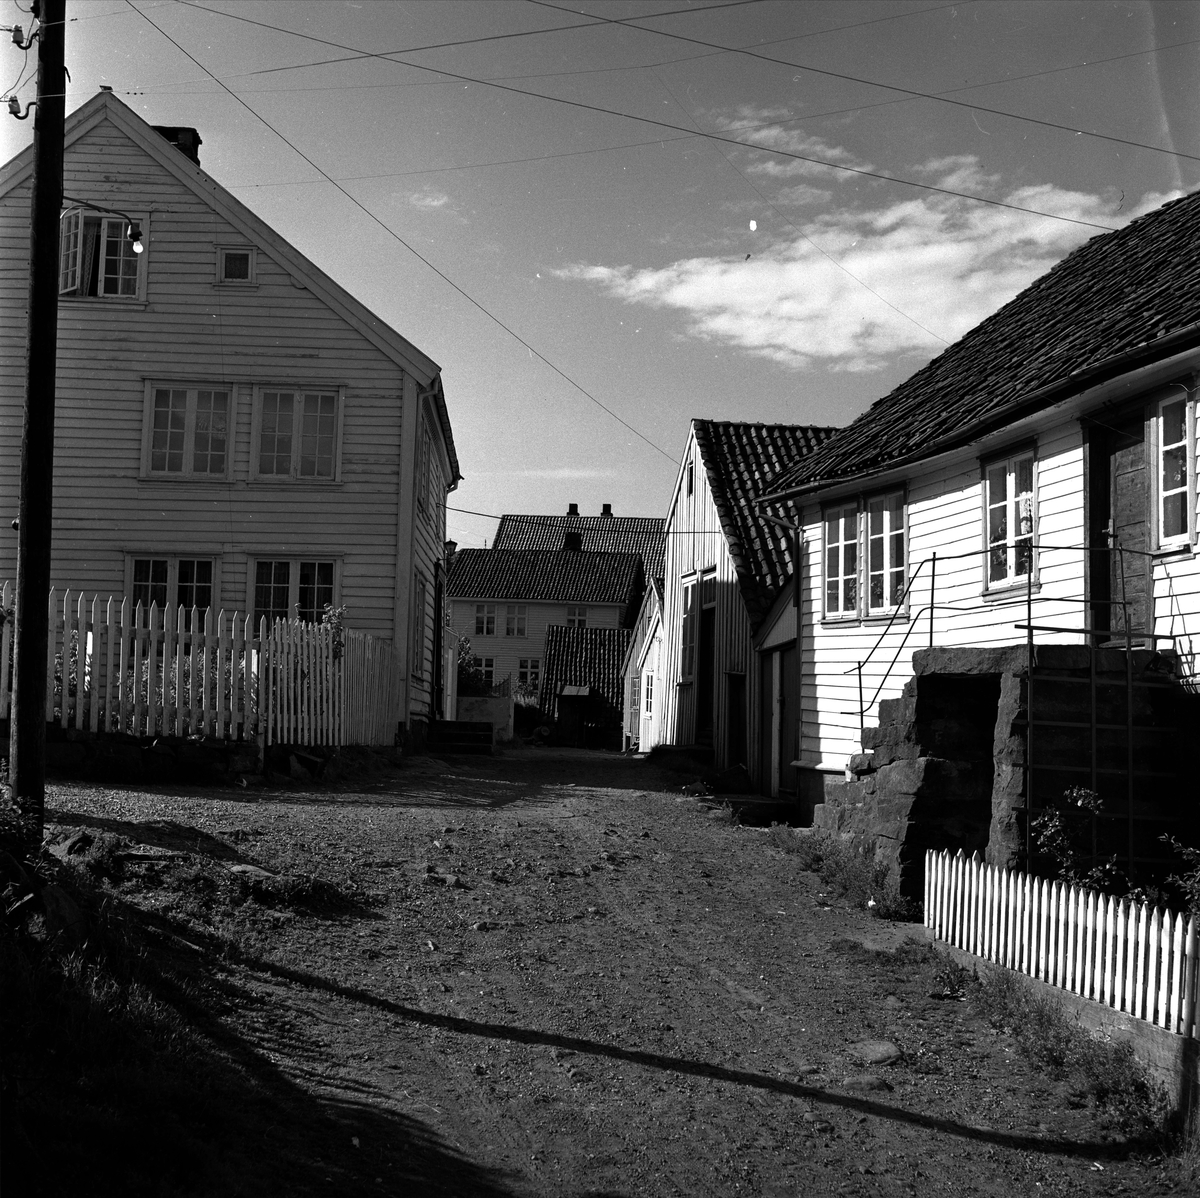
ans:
x=1044 y=465
x=504 y=601
x=234 y=430
x=640 y=672
x=726 y=564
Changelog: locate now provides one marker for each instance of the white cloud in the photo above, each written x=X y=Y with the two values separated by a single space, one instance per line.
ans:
x=944 y=262
x=428 y=200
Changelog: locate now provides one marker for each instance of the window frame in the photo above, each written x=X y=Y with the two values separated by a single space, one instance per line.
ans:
x=843 y=611
x=188 y=474
x=1014 y=579
x=484 y=611
x=294 y=563
x=104 y=218
x=690 y=613
x=516 y=620
x=419 y=623
x=293 y=477
x=487 y=667
x=172 y=557
x=890 y=567
x=531 y=668
x=648 y=693
x=1185 y=540
x=222 y=251
x=577 y=615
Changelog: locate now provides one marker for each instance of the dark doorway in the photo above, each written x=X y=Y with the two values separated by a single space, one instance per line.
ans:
x=766 y=719
x=735 y=720
x=789 y=718
x=1119 y=526
x=705 y=670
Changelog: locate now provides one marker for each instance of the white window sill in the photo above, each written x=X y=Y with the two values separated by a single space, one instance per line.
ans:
x=1174 y=553
x=186 y=480
x=877 y=618
x=101 y=301
x=1008 y=592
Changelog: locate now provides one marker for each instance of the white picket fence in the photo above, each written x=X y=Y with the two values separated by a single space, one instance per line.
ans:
x=171 y=672
x=1129 y=956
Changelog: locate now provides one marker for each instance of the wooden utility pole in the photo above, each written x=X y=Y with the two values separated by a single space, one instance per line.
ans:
x=27 y=737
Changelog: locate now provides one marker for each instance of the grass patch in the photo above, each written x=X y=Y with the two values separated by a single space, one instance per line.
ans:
x=850 y=871
x=1108 y=1075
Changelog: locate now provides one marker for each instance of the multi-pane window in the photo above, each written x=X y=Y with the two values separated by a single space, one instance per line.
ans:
x=283 y=586
x=635 y=693
x=1009 y=500
x=841 y=560
x=96 y=256
x=515 y=620
x=297 y=434
x=189 y=431
x=419 y=616
x=485 y=619
x=1173 y=473
x=885 y=552
x=425 y=499
x=174 y=582
x=487 y=666
x=576 y=617
x=691 y=613
x=150 y=581
x=529 y=671
x=648 y=691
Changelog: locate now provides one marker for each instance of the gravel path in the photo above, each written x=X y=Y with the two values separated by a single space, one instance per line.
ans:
x=562 y=979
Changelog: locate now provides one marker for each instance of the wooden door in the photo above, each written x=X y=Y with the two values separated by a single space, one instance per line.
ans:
x=1119 y=532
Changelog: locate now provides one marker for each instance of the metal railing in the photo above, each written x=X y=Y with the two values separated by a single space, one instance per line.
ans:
x=1090 y=633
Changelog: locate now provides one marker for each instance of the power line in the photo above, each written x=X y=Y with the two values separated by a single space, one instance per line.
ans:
x=854 y=170
x=908 y=91
x=470 y=41
x=441 y=274
x=635 y=145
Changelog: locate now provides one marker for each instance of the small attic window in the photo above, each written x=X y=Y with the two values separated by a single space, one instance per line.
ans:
x=573 y=541
x=235 y=265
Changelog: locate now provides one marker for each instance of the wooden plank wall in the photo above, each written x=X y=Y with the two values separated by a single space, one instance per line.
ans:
x=945 y=515
x=189 y=329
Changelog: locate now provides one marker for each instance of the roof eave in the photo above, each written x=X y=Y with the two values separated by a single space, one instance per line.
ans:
x=1079 y=380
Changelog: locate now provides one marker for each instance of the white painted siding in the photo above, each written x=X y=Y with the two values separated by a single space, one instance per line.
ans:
x=188 y=328
x=508 y=650
x=945 y=515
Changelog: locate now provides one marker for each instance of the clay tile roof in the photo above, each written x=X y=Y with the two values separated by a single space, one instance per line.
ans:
x=738 y=461
x=589 y=657
x=1133 y=294
x=643 y=535
x=534 y=575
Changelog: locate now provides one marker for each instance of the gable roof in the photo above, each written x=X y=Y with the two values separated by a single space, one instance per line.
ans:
x=643 y=535
x=556 y=576
x=589 y=657
x=1122 y=300
x=104 y=106
x=738 y=460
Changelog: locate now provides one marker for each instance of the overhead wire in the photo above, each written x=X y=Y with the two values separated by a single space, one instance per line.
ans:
x=416 y=253
x=634 y=145
x=862 y=171
x=908 y=91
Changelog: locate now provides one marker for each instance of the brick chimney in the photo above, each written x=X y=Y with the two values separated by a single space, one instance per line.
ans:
x=186 y=141
x=572 y=509
x=606 y=511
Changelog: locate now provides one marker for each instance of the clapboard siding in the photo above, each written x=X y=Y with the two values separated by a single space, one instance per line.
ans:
x=945 y=515
x=695 y=545
x=186 y=328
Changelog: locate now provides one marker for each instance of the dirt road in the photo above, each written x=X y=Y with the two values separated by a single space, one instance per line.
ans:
x=561 y=980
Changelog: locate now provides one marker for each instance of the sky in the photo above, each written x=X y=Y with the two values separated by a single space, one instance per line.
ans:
x=603 y=218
